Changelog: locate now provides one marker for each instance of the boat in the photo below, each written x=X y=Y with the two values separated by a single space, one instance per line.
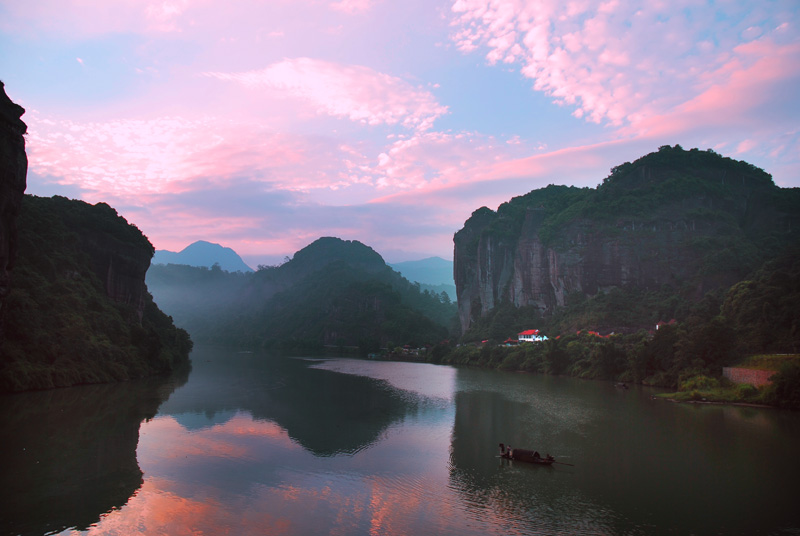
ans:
x=525 y=455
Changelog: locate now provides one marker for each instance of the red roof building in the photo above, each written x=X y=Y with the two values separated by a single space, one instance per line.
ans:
x=531 y=335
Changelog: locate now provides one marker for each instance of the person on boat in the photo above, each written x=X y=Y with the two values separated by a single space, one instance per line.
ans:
x=505 y=453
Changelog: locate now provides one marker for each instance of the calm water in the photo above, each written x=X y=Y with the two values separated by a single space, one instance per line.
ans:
x=251 y=444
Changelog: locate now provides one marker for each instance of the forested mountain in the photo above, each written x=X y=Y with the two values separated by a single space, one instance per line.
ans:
x=705 y=247
x=331 y=293
x=202 y=253
x=654 y=237
x=78 y=310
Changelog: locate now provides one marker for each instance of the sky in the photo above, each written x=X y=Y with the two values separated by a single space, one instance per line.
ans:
x=263 y=125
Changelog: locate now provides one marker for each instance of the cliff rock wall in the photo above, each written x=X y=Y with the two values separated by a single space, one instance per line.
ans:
x=685 y=219
x=121 y=266
x=13 y=171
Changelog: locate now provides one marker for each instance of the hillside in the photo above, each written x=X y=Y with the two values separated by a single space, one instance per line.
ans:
x=331 y=293
x=202 y=253
x=79 y=310
x=13 y=175
x=654 y=237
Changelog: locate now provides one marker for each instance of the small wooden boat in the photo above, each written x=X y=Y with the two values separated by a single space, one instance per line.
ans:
x=525 y=455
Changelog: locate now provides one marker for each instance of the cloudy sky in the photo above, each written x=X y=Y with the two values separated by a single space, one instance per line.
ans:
x=263 y=125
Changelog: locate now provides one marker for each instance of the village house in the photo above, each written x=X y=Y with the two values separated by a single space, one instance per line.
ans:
x=531 y=335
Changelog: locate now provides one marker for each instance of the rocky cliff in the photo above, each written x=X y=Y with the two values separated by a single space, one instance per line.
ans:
x=688 y=220
x=120 y=255
x=79 y=310
x=13 y=171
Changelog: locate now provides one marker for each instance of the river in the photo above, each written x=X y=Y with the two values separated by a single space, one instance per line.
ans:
x=252 y=444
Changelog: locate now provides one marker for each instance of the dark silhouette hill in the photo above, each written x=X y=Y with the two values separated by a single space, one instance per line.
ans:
x=332 y=293
x=79 y=310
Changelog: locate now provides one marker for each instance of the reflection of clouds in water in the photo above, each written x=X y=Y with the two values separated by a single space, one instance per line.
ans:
x=248 y=477
x=370 y=506
x=425 y=380
x=155 y=509
x=165 y=438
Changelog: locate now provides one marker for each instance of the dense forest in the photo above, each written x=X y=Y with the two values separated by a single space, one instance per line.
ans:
x=78 y=311
x=706 y=247
x=332 y=293
x=674 y=222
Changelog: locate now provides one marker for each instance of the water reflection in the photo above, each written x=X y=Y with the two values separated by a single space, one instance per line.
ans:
x=325 y=412
x=641 y=466
x=69 y=455
x=255 y=445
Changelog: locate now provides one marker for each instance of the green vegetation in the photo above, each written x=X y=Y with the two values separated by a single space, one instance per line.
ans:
x=60 y=326
x=717 y=197
x=333 y=293
x=687 y=354
x=708 y=244
x=784 y=391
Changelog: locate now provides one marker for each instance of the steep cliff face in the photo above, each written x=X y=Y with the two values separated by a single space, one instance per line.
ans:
x=79 y=310
x=13 y=171
x=691 y=220
x=120 y=264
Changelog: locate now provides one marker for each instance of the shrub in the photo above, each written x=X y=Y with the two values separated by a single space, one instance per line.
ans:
x=699 y=383
x=786 y=386
x=745 y=391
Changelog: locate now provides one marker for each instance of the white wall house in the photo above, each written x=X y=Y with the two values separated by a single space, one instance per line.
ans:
x=531 y=335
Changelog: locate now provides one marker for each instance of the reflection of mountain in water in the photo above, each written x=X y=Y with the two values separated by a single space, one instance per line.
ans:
x=69 y=455
x=198 y=421
x=326 y=412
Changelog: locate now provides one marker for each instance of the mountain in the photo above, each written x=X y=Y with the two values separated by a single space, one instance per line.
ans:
x=657 y=233
x=13 y=172
x=202 y=253
x=78 y=310
x=74 y=307
x=430 y=271
x=434 y=274
x=331 y=293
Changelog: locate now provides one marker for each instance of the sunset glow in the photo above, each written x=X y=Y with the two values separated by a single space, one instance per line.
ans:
x=265 y=125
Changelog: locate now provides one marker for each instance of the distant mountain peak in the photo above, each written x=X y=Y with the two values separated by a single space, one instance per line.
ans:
x=430 y=271
x=203 y=253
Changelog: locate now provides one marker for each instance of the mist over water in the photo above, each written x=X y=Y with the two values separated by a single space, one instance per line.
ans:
x=258 y=444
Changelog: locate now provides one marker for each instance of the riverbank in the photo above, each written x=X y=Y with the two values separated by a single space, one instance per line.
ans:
x=780 y=390
x=617 y=360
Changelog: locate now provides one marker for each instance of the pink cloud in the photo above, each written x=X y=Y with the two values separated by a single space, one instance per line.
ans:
x=751 y=86
x=349 y=91
x=94 y=17
x=352 y=6
x=436 y=159
x=129 y=158
x=81 y=19
x=616 y=62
